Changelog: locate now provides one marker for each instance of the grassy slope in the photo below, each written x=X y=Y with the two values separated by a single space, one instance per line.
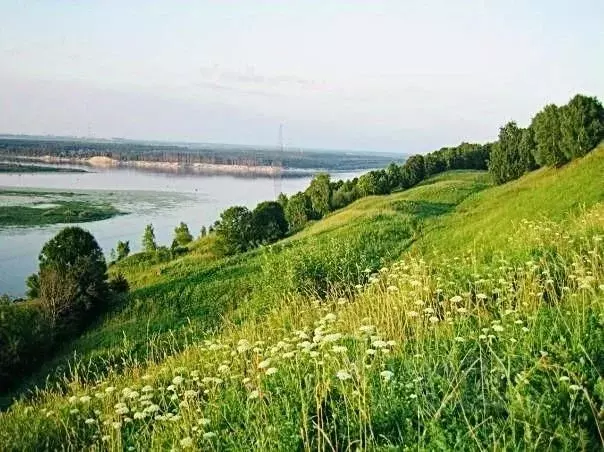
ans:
x=171 y=304
x=466 y=376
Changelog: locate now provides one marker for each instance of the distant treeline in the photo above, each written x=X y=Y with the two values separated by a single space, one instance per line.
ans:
x=329 y=160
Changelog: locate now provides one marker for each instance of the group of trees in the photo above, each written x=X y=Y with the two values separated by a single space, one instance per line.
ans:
x=555 y=136
x=240 y=229
x=68 y=291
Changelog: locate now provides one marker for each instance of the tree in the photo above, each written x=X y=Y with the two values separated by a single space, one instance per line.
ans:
x=268 y=223
x=72 y=275
x=297 y=212
x=582 y=125
x=319 y=193
x=149 y=244
x=548 y=137
x=509 y=160
x=374 y=183
x=233 y=230
x=282 y=199
x=182 y=235
x=413 y=171
x=33 y=286
x=203 y=232
x=123 y=249
x=393 y=171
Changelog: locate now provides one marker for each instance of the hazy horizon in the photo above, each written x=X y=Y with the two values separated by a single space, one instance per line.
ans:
x=387 y=76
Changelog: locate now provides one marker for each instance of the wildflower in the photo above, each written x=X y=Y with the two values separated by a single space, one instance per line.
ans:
x=74 y=411
x=339 y=349
x=455 y=299
x=147 y=389
x=564 y=378
x=109 y=389
x=85 y=399
x=271 y=371
x=246 y=380
x=462 y=310
x=368 y=329
x=332 y=337
x=343 y=375
x=288 y=355
x=190 y=393
x=223 y=368
x=392 y=289
x=379 y=344
x=330 y=317
x=525 y=329
x=177 y=380
x=209 y=435
x=391 y=343
x=412 y=314
x=73 y=399
x=460 y=339
x=264 y=364
x=117 y=425
x=575 y=387
x=481 y=296
x=99 y=395
x=186 y=442
x=498 y=328
x=386 y=375
x=413 y=396
x=139 y=415
x=433 y=319
x=429 y=310
x=132 y=395
x=370 y=351
x=254 y=394
x=152 y=408
x=90 y=421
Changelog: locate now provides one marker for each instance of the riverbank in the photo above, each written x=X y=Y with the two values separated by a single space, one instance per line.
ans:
x=172 y=167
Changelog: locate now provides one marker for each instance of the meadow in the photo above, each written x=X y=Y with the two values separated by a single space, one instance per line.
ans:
x=454 y=315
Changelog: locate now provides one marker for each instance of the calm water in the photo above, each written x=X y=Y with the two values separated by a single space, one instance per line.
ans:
x=159 y=198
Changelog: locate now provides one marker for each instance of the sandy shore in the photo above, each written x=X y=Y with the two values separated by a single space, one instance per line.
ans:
x=106 y=162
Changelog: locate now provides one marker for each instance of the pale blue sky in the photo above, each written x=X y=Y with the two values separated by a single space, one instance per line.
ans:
x=406 y=76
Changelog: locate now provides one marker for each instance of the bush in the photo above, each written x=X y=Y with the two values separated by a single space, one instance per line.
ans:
x=119 y=284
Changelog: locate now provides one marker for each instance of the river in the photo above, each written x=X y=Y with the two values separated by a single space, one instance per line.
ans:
x=163 y=199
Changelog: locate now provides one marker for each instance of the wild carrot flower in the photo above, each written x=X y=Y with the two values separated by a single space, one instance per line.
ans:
x=343 y=375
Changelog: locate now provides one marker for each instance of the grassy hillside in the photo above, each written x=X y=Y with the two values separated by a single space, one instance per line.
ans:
x=451 y=316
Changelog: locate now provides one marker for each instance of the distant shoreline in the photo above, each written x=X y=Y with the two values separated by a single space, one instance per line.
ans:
x=200 y=168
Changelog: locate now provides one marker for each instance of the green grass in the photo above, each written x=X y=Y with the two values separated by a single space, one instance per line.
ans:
x=455 y=315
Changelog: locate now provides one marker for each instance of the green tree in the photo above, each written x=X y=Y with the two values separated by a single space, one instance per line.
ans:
x=413 y=171
x=149 y=244
x=203 y=232
x=182 y=234
x=268 y=223
x=548 y=137
x=582 y=125
x=297 y=211
x=374 y=183
x=319 y=193
x=233 y=230
x=509 y=160
x=72 y=276
x=393 y=171
x=282 y=199
x=33 y=286
x=123 y=249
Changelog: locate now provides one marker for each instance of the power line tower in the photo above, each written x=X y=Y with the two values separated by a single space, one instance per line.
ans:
x=278 y=165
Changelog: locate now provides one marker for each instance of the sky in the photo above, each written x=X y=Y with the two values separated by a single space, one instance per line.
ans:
x=399 y=76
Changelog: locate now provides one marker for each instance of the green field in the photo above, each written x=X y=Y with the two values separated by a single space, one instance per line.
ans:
x=37 y=208
x=454 y=315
